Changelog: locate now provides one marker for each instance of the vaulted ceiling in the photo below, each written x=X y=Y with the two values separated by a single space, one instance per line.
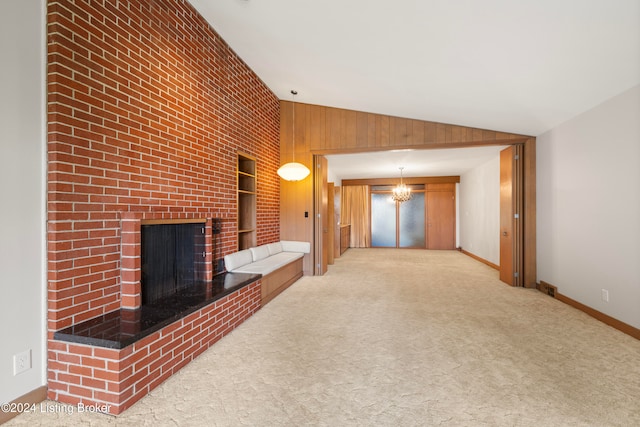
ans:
x=516 y=66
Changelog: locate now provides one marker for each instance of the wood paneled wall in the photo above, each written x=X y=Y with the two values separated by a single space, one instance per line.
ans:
x=330 y=130
x=323 y=130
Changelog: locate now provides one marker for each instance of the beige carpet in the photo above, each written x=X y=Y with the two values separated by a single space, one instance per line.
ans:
x=400 y=338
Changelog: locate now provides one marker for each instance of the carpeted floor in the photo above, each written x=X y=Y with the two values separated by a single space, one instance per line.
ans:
x=400 y=338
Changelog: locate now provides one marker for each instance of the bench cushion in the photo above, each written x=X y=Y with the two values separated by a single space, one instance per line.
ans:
x=295 y=246
x=237 y=259
x=274 y=248
x=260 y=252
x=267 y=265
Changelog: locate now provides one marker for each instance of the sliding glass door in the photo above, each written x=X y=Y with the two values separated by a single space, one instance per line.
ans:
x=397 y=225
x=411 y=228
x=383 y=220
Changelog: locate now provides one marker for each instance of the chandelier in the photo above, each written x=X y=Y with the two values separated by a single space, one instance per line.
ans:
x=293 y=171
x=401 y=193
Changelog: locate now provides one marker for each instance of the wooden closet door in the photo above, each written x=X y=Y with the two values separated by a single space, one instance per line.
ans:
x=321 y=209
x=511 y=208
x=506 y=216
x=441 y=220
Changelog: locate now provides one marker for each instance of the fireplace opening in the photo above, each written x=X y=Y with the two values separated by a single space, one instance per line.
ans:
x=173 y=260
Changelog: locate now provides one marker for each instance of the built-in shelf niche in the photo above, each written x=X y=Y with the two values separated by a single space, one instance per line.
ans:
x=246 y=201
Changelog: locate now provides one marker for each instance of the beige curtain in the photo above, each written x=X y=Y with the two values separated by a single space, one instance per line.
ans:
x=355 y=211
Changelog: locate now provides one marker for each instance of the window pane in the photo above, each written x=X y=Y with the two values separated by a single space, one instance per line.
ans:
x=412 y=222
x=383 y=221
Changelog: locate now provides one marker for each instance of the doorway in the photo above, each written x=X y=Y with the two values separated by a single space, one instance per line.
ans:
x=526 y=268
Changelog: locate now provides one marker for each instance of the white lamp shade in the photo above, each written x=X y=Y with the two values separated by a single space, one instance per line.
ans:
x=293 y=171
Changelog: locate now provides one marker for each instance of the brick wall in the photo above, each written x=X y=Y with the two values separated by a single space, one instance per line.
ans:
x=147 y=108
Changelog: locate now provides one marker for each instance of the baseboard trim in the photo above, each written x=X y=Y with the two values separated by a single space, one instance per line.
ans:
x=34 y=397
x=605 y=318
x=482 y=260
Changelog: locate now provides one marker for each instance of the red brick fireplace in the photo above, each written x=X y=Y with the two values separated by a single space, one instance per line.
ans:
x=147 y=109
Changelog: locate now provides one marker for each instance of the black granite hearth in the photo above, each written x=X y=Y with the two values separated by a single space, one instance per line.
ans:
x=123 y=327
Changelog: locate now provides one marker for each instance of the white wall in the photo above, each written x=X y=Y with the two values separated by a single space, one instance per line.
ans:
x=22 y=192
x=480 y=211
x=588 y=207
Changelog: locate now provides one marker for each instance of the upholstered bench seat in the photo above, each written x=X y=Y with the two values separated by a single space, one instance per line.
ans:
x=279 y=263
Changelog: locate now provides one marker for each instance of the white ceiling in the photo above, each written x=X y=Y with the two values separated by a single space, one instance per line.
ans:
x=516 y=66
x=386 y=164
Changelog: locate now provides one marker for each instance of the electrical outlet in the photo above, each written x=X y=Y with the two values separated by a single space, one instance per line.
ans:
x=605 y=295
x=21 y=362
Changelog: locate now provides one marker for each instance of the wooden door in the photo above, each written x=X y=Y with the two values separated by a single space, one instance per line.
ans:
x=441 y=219
x=331 y=225
x=506 y=216
x=337 y=209
x=510 y=215
x=321 y=215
